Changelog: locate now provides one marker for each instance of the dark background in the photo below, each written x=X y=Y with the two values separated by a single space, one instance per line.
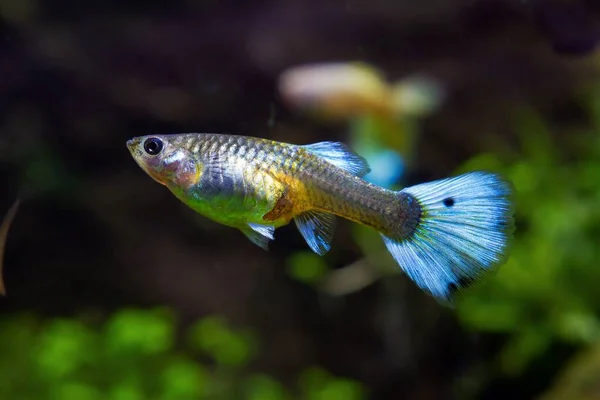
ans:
x=95 y=234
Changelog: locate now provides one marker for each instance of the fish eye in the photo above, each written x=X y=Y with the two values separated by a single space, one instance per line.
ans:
x=153 y=146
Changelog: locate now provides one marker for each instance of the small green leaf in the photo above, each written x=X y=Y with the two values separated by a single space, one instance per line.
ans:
x=313 y=379
x=76 y=391
x=64 y=346
x=144 y=332
x=127 y=390
x=339 y=389
x=212 y=336
x=183 y=379
x=263 y=387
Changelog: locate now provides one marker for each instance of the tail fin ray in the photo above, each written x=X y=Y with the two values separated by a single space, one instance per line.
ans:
x=464 y=230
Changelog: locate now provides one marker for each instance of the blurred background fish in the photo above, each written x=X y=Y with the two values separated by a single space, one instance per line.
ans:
x=358 y=94
x=344 y=90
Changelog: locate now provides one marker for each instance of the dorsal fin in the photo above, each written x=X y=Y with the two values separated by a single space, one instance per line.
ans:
x=260 y=235
x=317 y=228
x=341 y=156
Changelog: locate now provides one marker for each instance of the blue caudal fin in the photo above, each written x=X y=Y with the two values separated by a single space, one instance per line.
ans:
x=465 y=226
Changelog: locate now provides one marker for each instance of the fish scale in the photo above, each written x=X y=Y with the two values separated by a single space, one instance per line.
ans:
x=444 y=234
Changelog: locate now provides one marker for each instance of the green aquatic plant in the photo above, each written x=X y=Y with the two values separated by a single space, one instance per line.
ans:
x=134 y=355
x=547 y=291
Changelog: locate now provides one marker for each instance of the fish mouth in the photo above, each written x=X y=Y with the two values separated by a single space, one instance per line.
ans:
x=133 y=147
x=132 y=144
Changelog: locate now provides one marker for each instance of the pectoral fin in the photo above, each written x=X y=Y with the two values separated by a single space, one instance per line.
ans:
x=260 y=235
x=317 y=228
x=284 y=206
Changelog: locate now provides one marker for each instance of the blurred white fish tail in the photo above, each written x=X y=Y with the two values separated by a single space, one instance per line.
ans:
x=464 y=230
x=417 y=96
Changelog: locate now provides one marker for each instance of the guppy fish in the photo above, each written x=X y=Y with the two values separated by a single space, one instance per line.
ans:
x=444 y=234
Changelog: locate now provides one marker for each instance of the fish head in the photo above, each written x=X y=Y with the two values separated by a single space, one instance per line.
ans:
x=166 y=160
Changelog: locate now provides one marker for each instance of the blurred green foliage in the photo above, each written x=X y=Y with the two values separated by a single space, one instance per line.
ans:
x=135 y=355
x=548 y=288
x=580 y=379
x=306 y=266
x=547 y=292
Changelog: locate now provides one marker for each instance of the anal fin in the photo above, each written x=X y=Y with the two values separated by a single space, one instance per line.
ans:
x=317 y=228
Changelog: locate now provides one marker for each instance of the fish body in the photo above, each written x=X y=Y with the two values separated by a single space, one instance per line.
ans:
x=443 y=234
